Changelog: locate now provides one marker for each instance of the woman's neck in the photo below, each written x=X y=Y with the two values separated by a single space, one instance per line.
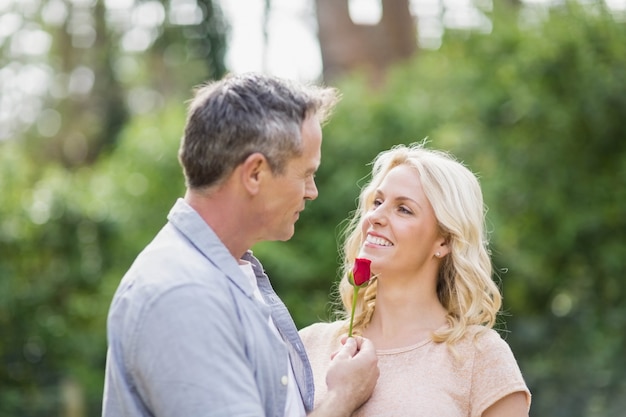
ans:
x=404 y=314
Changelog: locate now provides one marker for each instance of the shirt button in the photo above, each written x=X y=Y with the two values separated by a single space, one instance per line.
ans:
x=284 y=380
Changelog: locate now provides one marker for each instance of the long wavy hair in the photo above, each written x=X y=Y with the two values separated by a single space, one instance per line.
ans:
x=464 y=283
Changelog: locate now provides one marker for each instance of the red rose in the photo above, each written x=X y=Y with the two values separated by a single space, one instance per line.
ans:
x=361 y=271
x=359 y=276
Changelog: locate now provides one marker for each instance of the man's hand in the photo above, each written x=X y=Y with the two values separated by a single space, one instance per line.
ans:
x=350 y=379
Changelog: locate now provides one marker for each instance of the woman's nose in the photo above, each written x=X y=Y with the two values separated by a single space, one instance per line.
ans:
x=377 y=216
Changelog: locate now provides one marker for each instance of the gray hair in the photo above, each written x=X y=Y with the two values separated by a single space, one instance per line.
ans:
x=230 y=119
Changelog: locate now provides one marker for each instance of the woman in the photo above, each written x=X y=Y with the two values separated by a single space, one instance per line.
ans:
x=431 y=304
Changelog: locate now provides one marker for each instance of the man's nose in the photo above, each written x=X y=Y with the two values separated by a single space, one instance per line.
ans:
x=310 y=192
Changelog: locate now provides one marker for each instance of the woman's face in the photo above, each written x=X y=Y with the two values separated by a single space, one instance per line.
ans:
x=400 y=230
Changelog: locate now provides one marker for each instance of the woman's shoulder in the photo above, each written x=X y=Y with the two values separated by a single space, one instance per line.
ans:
x=495 y=370
x=322 y=329
x=481 y=334
x=483 y=339
x=487 y=347
x=322 y=332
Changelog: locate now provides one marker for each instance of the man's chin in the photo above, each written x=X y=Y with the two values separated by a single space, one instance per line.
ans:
x=284 y=236
x=290 y=232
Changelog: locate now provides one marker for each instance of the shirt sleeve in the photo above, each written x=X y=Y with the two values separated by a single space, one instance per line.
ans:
x=188 y=357
x=496 y=373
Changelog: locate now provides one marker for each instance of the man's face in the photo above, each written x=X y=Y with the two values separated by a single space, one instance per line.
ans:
x=285 y=194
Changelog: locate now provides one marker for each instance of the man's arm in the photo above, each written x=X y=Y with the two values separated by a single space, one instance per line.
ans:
x=189 y=359
x=350 y=379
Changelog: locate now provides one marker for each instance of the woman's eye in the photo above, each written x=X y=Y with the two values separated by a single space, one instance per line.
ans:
x=405 y=210
x=377 y=202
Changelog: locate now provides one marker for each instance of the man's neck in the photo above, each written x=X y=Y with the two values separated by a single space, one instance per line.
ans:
x=222 y=211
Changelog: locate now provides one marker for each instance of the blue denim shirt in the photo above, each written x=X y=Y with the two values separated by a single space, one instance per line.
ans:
x=186 y=337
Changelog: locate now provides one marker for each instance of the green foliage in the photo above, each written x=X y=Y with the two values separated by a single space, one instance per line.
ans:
x=554 y=126
x=66 y=239
x=51 y=258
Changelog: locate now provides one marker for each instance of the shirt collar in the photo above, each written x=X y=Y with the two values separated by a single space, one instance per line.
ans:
x=188 y=222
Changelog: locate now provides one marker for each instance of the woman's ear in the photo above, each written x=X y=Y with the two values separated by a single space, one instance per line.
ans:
x=442 y=247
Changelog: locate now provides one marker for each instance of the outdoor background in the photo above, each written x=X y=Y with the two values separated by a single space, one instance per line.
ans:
x=531 y=95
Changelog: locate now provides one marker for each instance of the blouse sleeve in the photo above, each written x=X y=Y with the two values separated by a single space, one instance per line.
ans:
x=496 y=373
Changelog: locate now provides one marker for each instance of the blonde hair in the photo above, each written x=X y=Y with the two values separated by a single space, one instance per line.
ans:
x=464 y=285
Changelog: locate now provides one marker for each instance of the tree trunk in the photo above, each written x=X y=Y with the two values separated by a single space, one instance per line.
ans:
x=346 y=46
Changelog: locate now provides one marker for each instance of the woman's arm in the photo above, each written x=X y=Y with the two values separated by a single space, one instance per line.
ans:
x=513 y=405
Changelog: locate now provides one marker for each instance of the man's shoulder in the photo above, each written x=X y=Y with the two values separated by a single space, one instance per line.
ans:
x=171 y=266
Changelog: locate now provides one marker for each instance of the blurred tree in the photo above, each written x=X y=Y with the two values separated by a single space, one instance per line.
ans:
x=97 y=63
x=94 y=109
x=66 y=239
x=553 y=114
x=52 y=257
x=346 y=45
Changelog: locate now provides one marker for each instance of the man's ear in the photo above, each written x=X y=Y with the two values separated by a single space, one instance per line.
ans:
x=252 y=172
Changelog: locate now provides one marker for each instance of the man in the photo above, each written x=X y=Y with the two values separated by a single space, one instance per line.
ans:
x=195 y=328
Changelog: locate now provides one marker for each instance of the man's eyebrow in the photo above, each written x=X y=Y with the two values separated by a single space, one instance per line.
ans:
x=312 y=170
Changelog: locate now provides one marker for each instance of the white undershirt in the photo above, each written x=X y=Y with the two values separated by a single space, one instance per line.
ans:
x=293 y=406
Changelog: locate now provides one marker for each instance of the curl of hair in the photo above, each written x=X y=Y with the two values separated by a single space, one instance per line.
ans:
x=464 y=284
x=230 y=119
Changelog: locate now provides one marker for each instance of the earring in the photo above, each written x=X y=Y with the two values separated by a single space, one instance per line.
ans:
x=438 y=254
